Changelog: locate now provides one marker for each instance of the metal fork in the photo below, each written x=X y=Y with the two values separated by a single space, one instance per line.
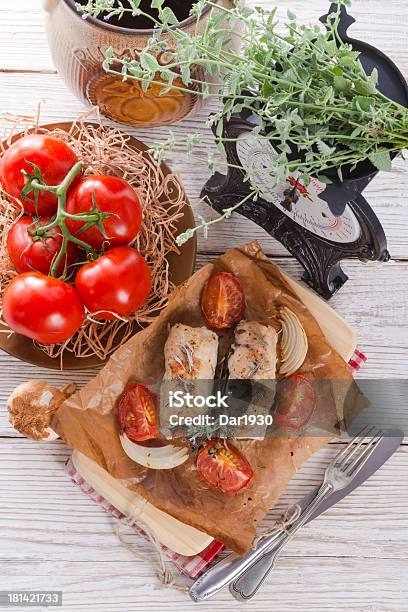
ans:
x=341 y=471
x=344 y=467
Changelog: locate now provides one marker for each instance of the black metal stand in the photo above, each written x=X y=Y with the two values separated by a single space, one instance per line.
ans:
x=319 y=257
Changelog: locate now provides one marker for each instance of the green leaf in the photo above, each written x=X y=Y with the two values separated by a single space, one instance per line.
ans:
x=157 y=4
x=149 y=62
x=366 y=88
x=328 y=95
x=185 y=74
x=324 y=148
x=356 y=132
x=347 y=61
x=374 y=76
x=219 y=130
x=381 y=159
x=324 y=179
x=341 y=84
x=267 y=89
x=167 y=16
x=135 y=4
x=363 y=104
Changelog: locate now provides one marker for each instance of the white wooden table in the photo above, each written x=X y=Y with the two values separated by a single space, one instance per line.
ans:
x=356 y=556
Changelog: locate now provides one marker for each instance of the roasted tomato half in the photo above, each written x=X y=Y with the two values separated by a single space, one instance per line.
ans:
x=295 y=402
x=137 y=413
x=223 y=467
x=223 y=301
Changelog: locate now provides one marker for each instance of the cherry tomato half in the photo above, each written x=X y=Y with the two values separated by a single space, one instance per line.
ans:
x=137 y=413
x=28 y=254
x=223 y=301
x=111 y=195
x=222 y=466
x=42 y=308
x=54 y=159
x=118 y=282
x=295 y=402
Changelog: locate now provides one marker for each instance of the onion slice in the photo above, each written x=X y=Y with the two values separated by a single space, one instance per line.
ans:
x=294 y=344
x=163 y=458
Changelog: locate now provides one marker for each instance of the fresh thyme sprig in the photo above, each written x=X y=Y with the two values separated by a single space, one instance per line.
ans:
x=312 y=98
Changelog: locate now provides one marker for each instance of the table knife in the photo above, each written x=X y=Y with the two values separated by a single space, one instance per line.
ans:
x=233 y=566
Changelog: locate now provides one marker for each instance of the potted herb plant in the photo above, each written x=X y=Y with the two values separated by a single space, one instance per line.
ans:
x=326 y=114
x=80 y=32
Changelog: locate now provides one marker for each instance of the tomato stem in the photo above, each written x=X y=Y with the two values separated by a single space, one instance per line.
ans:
x=95 y=217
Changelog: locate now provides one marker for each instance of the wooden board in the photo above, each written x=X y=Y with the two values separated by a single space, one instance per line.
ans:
x=338 y=333
x=170 y=532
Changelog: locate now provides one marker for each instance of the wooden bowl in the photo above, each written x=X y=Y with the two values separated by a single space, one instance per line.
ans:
x=180 y=267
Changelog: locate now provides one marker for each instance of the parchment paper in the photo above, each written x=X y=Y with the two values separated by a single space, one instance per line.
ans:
x=88 y=423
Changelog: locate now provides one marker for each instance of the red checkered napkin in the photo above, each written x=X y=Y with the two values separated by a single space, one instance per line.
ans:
x=357 y=361
x=190 y=566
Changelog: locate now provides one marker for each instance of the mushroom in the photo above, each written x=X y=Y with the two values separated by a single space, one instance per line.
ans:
x=32 y=405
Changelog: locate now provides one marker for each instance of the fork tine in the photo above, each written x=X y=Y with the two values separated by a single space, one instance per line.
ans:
x=359 y=462
x=358 y=448
x=362 y=434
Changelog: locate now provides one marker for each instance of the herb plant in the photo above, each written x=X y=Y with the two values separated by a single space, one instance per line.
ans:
x=314 y=101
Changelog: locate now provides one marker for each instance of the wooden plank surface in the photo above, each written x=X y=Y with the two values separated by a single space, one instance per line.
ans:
x=62 y=540
x=356 y=556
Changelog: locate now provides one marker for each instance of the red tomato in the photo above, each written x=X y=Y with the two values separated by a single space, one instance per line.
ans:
x=295 y=402
x=112 y=195
x=54 y=159
x=43 y=308
x=223 y=301
x=137 y=413
x=118 y=282
x=28 y=255
x=222 y=466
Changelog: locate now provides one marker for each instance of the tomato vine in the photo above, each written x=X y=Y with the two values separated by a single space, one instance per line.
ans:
x=35 y=184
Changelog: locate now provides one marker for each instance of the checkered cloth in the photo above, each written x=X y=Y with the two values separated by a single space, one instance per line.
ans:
x=357 y=361
x=190 y=566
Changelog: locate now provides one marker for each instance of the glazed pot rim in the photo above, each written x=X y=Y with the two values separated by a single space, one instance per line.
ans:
x=105 y=25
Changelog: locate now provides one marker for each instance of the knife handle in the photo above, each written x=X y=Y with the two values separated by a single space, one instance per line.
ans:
x=229 y=569
x=247 y=585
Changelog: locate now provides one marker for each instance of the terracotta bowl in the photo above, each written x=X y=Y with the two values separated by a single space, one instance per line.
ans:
x=78 y=47
x=180 y=266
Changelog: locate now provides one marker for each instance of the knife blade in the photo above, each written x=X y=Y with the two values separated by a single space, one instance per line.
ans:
x=248 y=583
x=229 y=569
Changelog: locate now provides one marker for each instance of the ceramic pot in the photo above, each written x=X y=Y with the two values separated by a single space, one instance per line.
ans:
x=78 y=49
